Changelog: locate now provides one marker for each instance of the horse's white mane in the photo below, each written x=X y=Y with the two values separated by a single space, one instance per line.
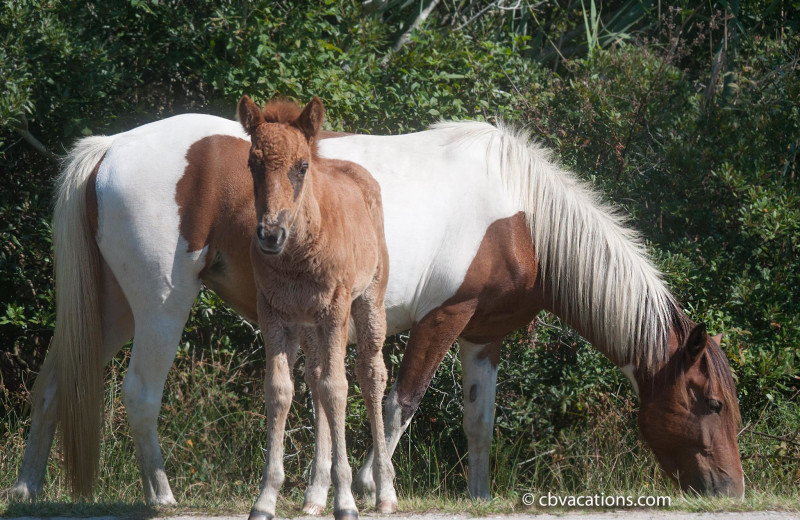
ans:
x=591 y=263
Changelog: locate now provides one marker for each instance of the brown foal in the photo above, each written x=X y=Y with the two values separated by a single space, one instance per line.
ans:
x=318 y=255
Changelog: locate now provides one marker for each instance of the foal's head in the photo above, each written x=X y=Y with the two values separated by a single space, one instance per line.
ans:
x=689 y=416
x=281 y=154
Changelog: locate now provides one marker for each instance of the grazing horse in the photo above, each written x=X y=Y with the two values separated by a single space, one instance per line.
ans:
x=319 y=255
x=483 y=231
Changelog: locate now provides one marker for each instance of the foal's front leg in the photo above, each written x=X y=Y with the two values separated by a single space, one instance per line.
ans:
x=316 y=495
x=280 y=345
x=330 y=348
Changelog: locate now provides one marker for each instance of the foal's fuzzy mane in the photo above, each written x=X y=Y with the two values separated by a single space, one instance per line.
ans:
x=591 y=263
x=285 y=111
x=281 y=110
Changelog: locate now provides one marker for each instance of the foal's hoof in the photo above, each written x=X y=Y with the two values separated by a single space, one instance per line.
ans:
x=387 y=507
x=258 y=515
x=313 y=509
x=346 y=514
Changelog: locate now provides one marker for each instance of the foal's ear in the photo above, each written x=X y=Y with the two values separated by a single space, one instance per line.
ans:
x=696 y=341
x=249 y=114
x=310 y=121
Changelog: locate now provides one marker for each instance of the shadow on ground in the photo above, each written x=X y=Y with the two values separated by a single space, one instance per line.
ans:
x=79 y=509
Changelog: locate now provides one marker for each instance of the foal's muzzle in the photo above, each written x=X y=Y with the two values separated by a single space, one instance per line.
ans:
x=271 y=238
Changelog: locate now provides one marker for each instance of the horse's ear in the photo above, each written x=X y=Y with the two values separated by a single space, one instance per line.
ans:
x=310 y=121
x=249 y=114
x=696 y=342
x=717 y=339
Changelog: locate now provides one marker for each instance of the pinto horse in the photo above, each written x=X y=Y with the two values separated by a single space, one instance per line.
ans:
x=319 y=256
x=483 y=232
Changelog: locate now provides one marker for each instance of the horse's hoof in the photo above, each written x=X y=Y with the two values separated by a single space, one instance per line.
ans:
x=313 y=509
x=346 y=514
x=165 y=501
x=258 y=515
x=387 y=507
x=365 y=491
x=17 y=493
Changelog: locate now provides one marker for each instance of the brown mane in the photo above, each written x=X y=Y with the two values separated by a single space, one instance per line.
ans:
x=720 y=376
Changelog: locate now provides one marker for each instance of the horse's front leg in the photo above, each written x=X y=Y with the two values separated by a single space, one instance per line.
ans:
x=330 y=348
x=280 y=345
x=429 y=341
x=479 y=369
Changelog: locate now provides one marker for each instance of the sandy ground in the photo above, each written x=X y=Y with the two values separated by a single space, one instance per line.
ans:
x=626 y=515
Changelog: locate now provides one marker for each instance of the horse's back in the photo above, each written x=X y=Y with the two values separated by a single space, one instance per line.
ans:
x=439 y=199
x=139 y=211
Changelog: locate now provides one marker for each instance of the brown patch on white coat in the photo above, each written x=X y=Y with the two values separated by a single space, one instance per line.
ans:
x=318 y=255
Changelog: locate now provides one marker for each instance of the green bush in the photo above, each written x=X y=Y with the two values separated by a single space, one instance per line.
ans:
x=705 y=165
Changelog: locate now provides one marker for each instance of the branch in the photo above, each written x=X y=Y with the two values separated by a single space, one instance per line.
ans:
x=375 y=6
x=775 y=437
x=406 y=36
x=22 y=129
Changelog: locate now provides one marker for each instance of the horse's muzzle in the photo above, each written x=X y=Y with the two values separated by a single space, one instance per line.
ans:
x=718 y=486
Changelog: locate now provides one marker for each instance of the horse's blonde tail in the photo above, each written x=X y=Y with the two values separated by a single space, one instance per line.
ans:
x=76 y=354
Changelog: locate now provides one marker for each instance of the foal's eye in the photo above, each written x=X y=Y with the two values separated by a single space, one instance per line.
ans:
x=714 y=405
x=303 y=168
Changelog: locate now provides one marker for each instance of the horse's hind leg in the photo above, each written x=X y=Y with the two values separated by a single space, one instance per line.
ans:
x=156 y=338
x=117 y=330
x=370 y=321
x=479 y=372
x=161 y=295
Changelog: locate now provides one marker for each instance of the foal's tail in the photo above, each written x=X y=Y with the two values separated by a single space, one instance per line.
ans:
x=75 y=359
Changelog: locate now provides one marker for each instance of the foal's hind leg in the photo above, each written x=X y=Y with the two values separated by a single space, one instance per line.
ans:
x=429 y=341
x=117 y=330
x=369 y=316
x=479 y=373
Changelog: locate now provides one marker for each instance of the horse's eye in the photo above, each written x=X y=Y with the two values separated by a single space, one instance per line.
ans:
x=714 y=405
x=303 y=168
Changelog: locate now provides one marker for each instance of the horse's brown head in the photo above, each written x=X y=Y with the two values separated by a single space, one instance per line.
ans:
x=689 y=416
x=281 y=153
